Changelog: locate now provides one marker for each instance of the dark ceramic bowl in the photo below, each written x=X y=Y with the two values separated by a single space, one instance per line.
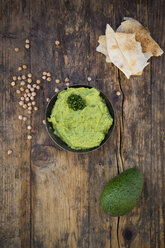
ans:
x=61 y=143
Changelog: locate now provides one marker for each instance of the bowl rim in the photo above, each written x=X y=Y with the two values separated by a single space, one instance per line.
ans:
x=81 y=151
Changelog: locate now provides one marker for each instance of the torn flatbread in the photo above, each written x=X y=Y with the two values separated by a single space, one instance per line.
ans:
x=129 y=48
x=142 y=35
x=132 y=51
x=102 y=47
x=115 y=53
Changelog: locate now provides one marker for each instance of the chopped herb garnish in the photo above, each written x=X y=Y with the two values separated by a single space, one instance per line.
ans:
x=76 y=102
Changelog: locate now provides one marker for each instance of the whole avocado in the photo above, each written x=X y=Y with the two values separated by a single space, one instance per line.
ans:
x=122 y=193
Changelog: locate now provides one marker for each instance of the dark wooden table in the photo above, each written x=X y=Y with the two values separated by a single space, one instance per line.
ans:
x=48 y=197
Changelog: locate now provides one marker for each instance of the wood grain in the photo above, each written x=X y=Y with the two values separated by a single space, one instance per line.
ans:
x=49 y=198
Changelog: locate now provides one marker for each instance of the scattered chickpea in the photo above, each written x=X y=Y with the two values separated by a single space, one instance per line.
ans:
x=57 y=81
x=24 y=67
x=32 y=98
x=9 y=152
x=48 y=74
x=49 y=79
x=31 y=89
x=29 y=112
x=56 y=90
x=14 y=78
x=44 y=122
x=27 y=99
x=29 y=75
x=27 y=46
x=16 y=49
x=25 y=95
x=29 y=86
x=18 y=91
x=29 y=108
x=67 y=84
x=44 y=73
x=19 y=78
x=13 y=83
x=20 y=117
x=35 y=108
x=19 y=68
x=24 y=118
x=34 y=85
x=29 y=94
x=29 y=127
x=118 y=93
x=21 y=89
x=27 y=90
x=27 y=41
x=29 y=137
x=33 y=103
x=57 y=43
x=89 y=79
x=22 y=83
x=67 y=79
x=22 y=98
x=43 y=77
x=38 y=81
x=21 y=103
x=24 y=106
x=29 y=80
x=29 y=104
x=23 y=77
x=37 y=87
x=47 y=99
x=33 y=93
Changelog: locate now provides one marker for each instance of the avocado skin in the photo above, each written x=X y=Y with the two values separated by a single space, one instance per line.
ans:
x=122 y=193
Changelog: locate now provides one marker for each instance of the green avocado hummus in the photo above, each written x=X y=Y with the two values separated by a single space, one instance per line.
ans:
x=81 y=128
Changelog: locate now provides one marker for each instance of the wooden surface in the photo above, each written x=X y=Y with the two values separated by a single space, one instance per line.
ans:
x=49 y=198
